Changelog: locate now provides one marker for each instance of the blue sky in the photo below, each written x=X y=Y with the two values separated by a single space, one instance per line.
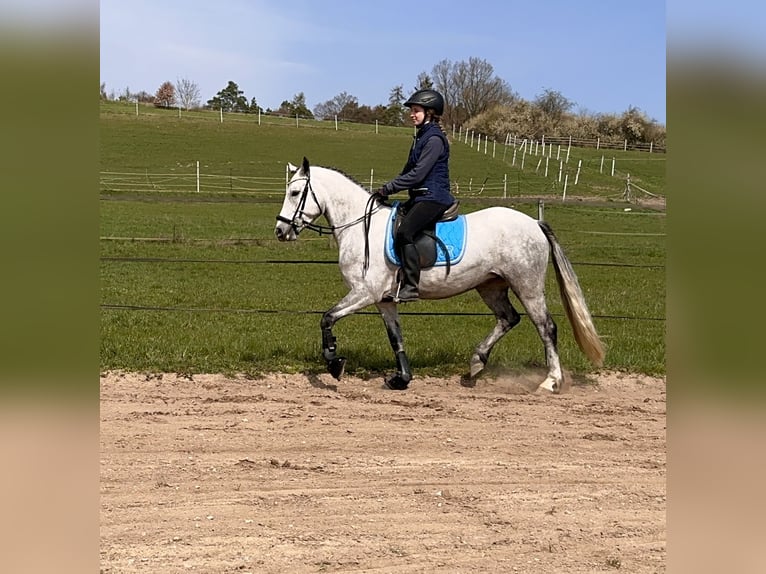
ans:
x=600 y=54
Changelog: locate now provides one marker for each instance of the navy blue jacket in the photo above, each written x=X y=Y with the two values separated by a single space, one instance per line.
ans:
x=426 y=173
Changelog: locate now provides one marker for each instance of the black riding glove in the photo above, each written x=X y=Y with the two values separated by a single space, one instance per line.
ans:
x=379 y=195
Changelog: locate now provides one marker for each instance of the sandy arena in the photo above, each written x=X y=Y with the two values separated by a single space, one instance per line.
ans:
x=299 y=474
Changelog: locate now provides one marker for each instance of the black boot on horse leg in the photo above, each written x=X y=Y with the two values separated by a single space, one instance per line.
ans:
x=401 y=379
x=335 y=364
x=408 y=290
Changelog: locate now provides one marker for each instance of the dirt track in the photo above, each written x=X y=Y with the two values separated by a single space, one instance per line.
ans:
x=301 y=474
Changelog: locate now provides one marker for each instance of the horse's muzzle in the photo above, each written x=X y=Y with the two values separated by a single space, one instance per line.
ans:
x=285 y=232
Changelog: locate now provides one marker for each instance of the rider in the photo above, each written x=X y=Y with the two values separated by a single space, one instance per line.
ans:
x=426 y=177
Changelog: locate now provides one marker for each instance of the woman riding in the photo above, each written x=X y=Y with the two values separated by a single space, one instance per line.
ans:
x=426 y=177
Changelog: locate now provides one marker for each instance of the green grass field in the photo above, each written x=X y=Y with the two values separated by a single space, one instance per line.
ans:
x=196 y=282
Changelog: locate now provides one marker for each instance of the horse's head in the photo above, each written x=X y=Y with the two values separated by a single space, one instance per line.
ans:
x=300 y=206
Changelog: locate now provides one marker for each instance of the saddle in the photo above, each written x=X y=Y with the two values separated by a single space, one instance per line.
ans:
x=441 y=245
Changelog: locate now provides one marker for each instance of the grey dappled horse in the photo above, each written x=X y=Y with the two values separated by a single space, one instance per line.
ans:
x=505 y=249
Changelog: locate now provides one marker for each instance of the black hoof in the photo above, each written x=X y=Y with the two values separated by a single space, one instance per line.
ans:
x=468 y=381
x=336 y=367
x=396 y=383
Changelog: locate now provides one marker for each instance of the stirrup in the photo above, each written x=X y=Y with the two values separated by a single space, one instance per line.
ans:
x=409 y=295
x=393 y=295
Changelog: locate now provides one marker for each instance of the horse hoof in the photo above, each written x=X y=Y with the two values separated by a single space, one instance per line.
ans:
x=551 y=385
x=396 y=383
x=336 y=367
x=477 y=366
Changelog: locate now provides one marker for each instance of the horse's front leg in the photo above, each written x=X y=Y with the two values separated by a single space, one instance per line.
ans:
x=401 y=379
x=350 y=304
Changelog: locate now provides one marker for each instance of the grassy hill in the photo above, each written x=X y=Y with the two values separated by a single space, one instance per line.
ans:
x=196 y=282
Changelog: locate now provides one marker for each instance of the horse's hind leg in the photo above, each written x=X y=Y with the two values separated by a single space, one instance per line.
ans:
x=495 y=294
x=403 y=375
x=538 y=313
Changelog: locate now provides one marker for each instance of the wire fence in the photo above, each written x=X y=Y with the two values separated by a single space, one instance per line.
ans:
x=334 y=262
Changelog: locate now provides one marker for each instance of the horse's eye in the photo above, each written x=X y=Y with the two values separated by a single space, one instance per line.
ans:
x=294 y=192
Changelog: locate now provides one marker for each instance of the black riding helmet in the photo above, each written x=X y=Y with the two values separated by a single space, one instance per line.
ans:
x=428 y=99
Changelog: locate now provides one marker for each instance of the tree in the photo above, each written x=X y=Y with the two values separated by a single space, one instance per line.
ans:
x=296 y=107
x=334 y=107
x=469 y=88
x=144 y=97
x=229 y=99
x=634 y=124
x=165 y=96
x=188 y=93
x=424 y=82
x=553 y=104
x=254 y=108
x=126 y=95
x=102 y=91
x=394 y=114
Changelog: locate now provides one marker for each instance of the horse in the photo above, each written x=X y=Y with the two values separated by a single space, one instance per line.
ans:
x=505 y=249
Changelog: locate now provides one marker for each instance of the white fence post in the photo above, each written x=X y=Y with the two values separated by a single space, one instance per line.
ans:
x=566 y=179
x=221 y=110
x=613 y=160
x=372 y=177
x=505 y=185
x=198 y=176
x=577 y=175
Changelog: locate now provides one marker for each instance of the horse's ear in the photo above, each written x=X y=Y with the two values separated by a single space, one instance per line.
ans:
x=305 y=166
x=291 y=168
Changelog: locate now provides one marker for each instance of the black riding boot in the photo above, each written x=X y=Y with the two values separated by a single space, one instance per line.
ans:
x=408 y=290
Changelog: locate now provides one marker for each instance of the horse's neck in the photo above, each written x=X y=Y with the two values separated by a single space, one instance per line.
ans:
x=345 y=202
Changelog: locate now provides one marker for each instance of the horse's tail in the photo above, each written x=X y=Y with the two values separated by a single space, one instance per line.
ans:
x=574 y=303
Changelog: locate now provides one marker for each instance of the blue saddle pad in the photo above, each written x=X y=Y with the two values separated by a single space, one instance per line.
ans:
x=452 y=233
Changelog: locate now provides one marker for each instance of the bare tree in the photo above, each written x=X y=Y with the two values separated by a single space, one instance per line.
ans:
x=335 y=106
x=470 y=88
x=424 y=82
x=188 y=93
x=553 y=104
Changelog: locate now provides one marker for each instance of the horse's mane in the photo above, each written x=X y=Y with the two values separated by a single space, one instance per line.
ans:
x=344 y=174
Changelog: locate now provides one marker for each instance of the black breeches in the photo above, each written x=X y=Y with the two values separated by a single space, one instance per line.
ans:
x=420 y=216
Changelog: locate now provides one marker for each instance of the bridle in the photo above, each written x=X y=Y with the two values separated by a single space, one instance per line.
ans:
x=298 y=223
